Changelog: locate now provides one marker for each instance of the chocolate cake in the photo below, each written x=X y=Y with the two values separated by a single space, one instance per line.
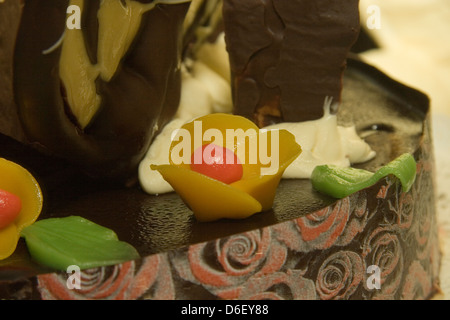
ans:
x=378 y=243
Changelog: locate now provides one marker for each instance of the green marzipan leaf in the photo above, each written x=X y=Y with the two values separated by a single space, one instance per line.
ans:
x=341 y=182
x=61 y=242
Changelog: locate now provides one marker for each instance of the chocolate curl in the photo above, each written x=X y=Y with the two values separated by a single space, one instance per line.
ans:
x=287 y=56
x=140 y=98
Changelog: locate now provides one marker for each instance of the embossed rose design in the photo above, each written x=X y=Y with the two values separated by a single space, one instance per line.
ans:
x=340 y=275
x=324 y=226
x=418 y=285
x=402 y=205
x=337 y=224
x=424 y=215
x=290 y=285
x=382 y=248
x=119 y=282
x=384 y=189
x=224 y=265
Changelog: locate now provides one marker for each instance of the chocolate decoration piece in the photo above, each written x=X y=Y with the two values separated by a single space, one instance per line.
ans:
x=140 y=98
x=287 y=56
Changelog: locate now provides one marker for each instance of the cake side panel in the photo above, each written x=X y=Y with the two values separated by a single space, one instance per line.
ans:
x=383 y=242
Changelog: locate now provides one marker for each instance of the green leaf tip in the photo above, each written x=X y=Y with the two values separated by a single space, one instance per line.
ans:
x=340 y=182
x=62 y=242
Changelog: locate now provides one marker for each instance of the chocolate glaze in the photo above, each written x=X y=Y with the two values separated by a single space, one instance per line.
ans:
x=141 y=98
x=287 y=56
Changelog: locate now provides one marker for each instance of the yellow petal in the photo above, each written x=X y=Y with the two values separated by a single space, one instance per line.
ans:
x=289 y=149
x=222 y=122
x=264 y=155
x=19 y=181
x=262 y=188
x=9 y=236
x=209 y=199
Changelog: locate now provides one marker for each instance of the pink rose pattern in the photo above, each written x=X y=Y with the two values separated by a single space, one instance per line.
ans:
x=324 y=255
x=150 y=278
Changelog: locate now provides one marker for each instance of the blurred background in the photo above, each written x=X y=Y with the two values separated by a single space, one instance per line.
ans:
x=412 y=40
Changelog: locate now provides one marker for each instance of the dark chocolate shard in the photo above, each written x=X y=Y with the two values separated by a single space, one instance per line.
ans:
x=287 y=56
